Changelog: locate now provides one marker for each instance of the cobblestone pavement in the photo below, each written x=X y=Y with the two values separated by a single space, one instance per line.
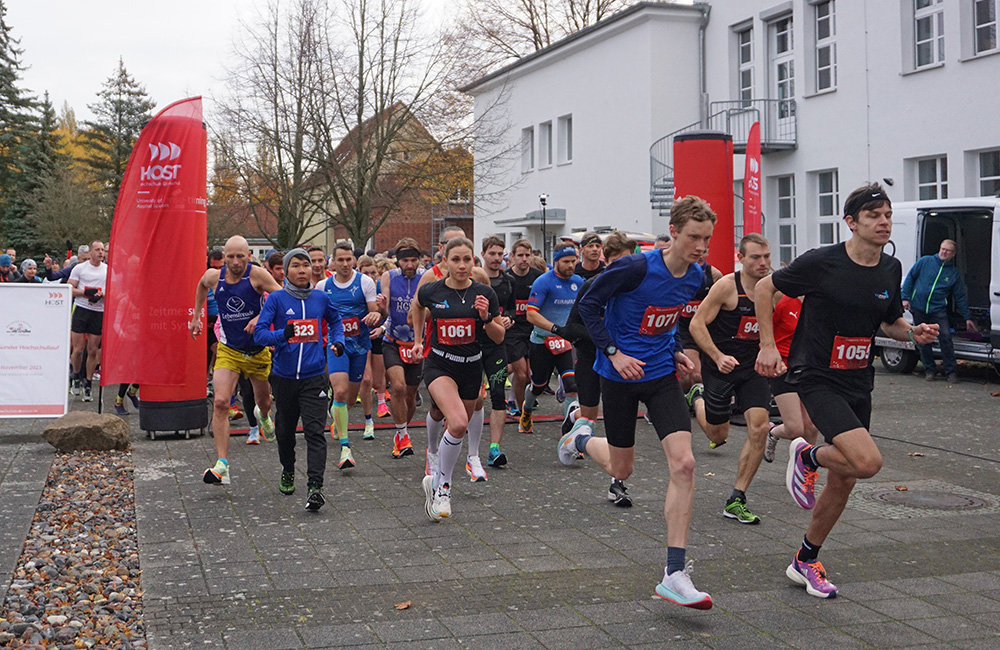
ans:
x=538 y=558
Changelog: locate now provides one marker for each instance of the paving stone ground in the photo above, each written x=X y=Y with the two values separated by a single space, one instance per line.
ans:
x=538 y=558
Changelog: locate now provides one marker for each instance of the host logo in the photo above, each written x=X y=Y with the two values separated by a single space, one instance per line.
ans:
x=163 y=153
x=754 y=166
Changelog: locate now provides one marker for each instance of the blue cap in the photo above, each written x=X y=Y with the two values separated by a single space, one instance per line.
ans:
x=5 y=260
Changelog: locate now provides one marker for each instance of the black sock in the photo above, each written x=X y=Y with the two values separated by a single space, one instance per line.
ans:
x=737 y=494
x=675 y=559
x=808 y=551
x=808 y=457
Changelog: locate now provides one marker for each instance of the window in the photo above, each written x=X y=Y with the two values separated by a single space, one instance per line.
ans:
x=932 y=178
x=527 y=149
x=928 y=16
x=828 y=200
x=783 y=66
x=826 y=48
x=545 y=144
x=985 y=17
x=565 y=125
x=786 y=219
x=989 y=173
x=744 y=68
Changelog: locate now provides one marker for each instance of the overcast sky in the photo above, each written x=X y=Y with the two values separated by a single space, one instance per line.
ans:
x=175 y=48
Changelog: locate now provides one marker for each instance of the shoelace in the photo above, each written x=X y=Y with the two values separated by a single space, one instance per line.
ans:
x=809 y=480
x=817 y=566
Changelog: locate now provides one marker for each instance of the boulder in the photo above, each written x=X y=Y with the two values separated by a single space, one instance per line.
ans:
x=86 y=430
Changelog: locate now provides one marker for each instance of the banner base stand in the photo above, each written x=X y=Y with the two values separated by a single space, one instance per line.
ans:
x=185 y=415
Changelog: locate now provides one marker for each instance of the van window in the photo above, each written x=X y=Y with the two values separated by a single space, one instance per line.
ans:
x=972 y=231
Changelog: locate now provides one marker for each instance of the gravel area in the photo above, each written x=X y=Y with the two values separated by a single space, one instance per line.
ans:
x=76 y=584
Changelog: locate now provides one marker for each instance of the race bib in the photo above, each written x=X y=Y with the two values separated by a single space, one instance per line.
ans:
x=850 y=352
x=406 y=353
x=352 y=326
x=657 y=320
x=456 y=331
x=520 y=307
x=748 y=330
x=690 y=309
x=557 y=344
x=306 y=330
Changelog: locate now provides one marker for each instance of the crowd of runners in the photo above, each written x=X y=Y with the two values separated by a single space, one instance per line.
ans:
x=309 y=334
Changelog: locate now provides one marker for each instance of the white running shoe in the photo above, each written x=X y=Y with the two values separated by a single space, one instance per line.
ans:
x=474 y=468
x=678 y=588
x=253 y=438
x=442 y=502
x=346 y=458
x=567 y=444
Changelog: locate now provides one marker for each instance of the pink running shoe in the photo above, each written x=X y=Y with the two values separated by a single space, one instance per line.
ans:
x=799 y=479
x=812 y=576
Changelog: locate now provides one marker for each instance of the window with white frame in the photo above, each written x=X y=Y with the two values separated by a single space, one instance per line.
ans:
x=527 y=149
x=783 y=65
x=985 y=25
x=932 y=178
x=565 y=139
x=545 y=144
x=989 y=173
x=744 y=64
x=828 y=200
x=826 y=48
x=786 y=219
x=928 y=30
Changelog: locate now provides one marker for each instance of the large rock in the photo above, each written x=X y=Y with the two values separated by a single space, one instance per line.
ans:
x=85 y=430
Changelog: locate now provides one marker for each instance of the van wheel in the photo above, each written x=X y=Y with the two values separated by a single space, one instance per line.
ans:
x=898 y=361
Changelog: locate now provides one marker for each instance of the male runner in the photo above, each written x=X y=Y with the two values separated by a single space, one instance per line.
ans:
x=317 y=266
x=692 y=385
x=399 y=286
x=276 y=267
x=353 y=294
x=590 y=263
x=89 y=281
x=495 y=355
x=850 y=290
x=518 y=336
x=725 y=329
x=552 y=296
x=641 y=296
x=239 y=293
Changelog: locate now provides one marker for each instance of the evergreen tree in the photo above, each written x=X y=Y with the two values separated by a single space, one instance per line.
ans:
x=123 y=108
x=15 y=122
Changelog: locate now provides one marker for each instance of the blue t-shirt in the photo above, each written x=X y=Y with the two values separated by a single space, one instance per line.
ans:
x=642 y=303
x=352 y=306
x=552 y=296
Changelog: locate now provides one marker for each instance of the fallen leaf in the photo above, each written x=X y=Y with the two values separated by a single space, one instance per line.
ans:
x=709 y=473
x=901 y=488
x=996 y=394
x=915 y=453
x=403 y=605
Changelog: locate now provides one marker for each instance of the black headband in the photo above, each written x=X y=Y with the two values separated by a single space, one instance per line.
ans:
x=403 y=253
x=590 y=239
x=854 y=205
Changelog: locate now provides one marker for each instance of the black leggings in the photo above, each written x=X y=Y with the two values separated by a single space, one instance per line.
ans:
x=542 y=363
x=246 y=392
x=495 y=367
x=664 y=401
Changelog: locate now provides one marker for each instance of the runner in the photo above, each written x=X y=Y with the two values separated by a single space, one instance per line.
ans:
x=642 y=296
x=366 y=266
x=552 y=296
x=317 y=266
x=518 y=336
x=850 y=290
x=725 y=328
x=353 y=295
x=376 y=362
x=89 y=281
x=590 y=263
x=494 y=360
x=216 y=260
x=461 y=312
x=299 y=380
x=691 y=384
x=239 y=293
x=399 y=287
x=276 y=267
x=588 y=382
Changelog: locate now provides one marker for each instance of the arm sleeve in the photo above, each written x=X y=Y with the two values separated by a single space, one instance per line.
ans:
x=799 y=277
x=262 y=333
x=625 y=275
x=574 y=328
x=368 y=288
x=335 y=334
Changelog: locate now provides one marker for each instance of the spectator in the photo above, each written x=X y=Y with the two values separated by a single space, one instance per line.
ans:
x=13 y=255
x=662 y=241
x=930 y=284
x=276 y=267
x=8 y=272
x=52 y=272
x=29 y=272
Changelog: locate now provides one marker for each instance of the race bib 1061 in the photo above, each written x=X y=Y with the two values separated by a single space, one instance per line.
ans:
x=456 y=331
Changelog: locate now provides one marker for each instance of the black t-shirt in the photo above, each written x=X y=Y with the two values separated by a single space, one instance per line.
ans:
x=455 y=325
x=522 y=291
x=844 y=305
x=585 y=274
x=503 y=286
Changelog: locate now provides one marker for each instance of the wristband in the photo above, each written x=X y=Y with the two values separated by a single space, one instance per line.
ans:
x=909 y=333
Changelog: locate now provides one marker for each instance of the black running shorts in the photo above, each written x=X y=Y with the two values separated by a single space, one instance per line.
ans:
x=751 y=390
x=833 y=410
x=588 y=382
x=665 y=405
x=377 y=346
x=495 y=368
x=412 y=372
x=86 y=321
x=468 y=376
x=780 y=385
x=543 y=362
x=517 y=345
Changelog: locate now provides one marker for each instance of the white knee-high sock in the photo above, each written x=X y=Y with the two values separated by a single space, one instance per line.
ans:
x=450 y=450
x=475 y=431
x=434 y=429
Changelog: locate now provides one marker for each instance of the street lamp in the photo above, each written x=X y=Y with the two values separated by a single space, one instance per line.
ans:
x=544 y=199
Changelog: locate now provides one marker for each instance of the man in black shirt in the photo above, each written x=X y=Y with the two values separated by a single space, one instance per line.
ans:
x=590 y=263
x=850 y=289
x=523 y=276
x=495 y=354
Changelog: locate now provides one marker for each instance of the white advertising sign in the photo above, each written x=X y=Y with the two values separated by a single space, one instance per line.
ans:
x=34 y=350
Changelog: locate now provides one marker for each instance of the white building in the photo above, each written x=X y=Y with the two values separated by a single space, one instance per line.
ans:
x=846 y=92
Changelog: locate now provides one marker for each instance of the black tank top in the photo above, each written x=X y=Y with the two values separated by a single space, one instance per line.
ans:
x=735 y=332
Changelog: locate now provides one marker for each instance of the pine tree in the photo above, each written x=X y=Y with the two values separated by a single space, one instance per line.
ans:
x=15 y=122
x=123 y=108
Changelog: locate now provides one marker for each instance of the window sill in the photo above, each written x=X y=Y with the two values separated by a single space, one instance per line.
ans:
x=541 y=167
x=563 y=163
x=527 y=171
x=825 y=91
x=929 y=66
x=981 y=55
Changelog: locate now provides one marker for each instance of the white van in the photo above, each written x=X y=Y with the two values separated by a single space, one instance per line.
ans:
x=918 y=227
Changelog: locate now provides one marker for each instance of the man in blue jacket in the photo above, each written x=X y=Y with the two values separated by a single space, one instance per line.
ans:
x=298 y=368
x=926 y=290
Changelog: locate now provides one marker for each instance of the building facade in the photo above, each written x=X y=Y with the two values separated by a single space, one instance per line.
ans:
x=845 y=92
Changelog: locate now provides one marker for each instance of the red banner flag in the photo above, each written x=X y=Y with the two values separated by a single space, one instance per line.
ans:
x=157 y=254
x=751 y=183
